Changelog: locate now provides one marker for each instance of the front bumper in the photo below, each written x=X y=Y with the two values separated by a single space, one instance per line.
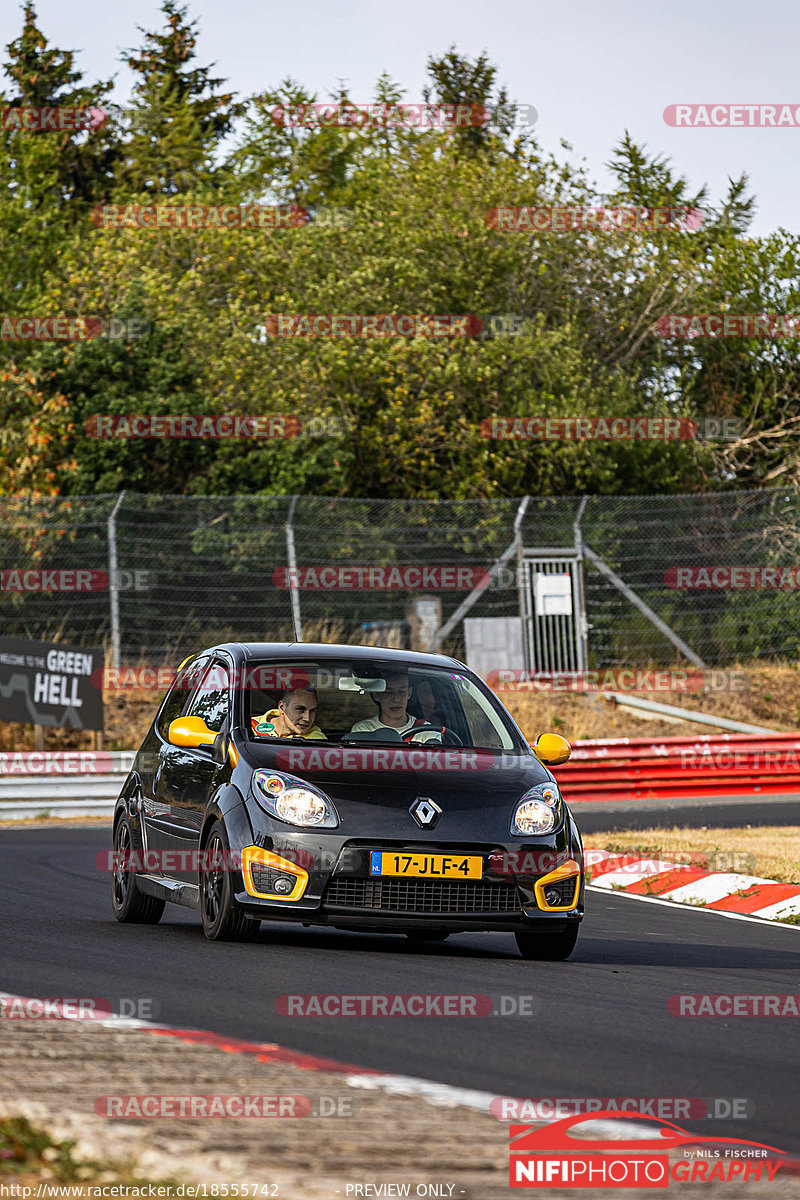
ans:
x=509 y=897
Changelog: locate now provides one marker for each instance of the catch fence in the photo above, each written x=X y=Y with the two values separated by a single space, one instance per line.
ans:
x=171 y=574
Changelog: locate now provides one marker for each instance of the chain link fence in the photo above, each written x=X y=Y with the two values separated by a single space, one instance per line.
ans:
x=195 y=570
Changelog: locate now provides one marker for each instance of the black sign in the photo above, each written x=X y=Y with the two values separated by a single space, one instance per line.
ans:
x=50 y=684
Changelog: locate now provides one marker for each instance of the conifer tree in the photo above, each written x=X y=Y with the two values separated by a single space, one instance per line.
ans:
x=178 y=117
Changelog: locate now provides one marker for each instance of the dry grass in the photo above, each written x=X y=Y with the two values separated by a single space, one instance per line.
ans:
x=771 y=852
x=769 y=696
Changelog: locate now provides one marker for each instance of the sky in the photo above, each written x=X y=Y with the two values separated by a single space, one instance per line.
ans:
x=591 y=69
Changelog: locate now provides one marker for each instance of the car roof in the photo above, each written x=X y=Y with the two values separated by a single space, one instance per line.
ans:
x=244 y=651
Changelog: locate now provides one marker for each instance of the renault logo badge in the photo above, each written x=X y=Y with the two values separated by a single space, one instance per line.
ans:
x=425 y=812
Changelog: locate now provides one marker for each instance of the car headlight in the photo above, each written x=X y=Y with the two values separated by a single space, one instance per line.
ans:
x=536 y=811
x=293 y=801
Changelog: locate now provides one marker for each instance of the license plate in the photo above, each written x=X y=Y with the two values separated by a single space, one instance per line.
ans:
x=426 y=866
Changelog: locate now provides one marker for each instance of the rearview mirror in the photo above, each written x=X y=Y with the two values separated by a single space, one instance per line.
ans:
x=552 y=749
x=351 y=683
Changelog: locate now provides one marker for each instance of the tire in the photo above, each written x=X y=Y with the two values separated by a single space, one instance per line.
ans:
x=427 y=935
x=548 y=947
x=223 y=920
x=131 y=907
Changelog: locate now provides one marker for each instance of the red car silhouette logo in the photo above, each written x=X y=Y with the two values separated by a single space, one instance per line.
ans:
x=526 y=1139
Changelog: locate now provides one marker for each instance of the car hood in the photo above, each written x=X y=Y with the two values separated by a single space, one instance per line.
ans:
x=476 y=792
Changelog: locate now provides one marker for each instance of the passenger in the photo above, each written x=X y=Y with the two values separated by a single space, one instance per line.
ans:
x=426 y=703
x=294 y=716
x=393 y=711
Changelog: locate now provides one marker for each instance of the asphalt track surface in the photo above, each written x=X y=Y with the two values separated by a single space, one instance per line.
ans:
x=709 y=812
x=601 y=1026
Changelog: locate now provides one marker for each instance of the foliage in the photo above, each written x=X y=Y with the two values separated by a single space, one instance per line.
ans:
x=394 y=416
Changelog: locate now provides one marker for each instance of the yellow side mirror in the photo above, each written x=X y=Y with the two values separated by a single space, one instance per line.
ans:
x=193 y=732
x=552 y=749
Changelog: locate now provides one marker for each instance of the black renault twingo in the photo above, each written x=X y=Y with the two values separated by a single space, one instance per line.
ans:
x=347 y=786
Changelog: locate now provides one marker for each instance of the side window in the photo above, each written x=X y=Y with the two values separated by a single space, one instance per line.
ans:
x=484 y=725
x=178 y=698
x=211 y=700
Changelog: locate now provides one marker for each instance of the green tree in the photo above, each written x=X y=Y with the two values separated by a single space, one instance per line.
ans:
x=178 y=117
x=45 y=77
x=457 y=80
x=48 y=178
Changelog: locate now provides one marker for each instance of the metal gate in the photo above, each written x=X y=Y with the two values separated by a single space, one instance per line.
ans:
x=553 y=610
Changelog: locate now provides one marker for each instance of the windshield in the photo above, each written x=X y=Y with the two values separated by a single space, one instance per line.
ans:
x=356 y=701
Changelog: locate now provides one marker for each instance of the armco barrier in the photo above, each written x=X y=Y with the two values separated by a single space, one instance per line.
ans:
x=63 y=762
x=604 y=770
x=62 y=783
x=609 y=770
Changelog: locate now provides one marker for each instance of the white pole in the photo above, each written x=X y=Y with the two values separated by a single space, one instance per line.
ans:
x=291 y=556
x=113 y=581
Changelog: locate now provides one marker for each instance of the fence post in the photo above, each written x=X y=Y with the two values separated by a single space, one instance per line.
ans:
x=113 y=581
x=291 y=556
x=583 y=623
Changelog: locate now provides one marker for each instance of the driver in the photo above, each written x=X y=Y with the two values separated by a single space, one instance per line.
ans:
x=294 y=716
x=393 y=711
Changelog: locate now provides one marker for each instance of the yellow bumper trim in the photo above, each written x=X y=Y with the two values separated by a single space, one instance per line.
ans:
x=256 y=854
x=563 y=872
